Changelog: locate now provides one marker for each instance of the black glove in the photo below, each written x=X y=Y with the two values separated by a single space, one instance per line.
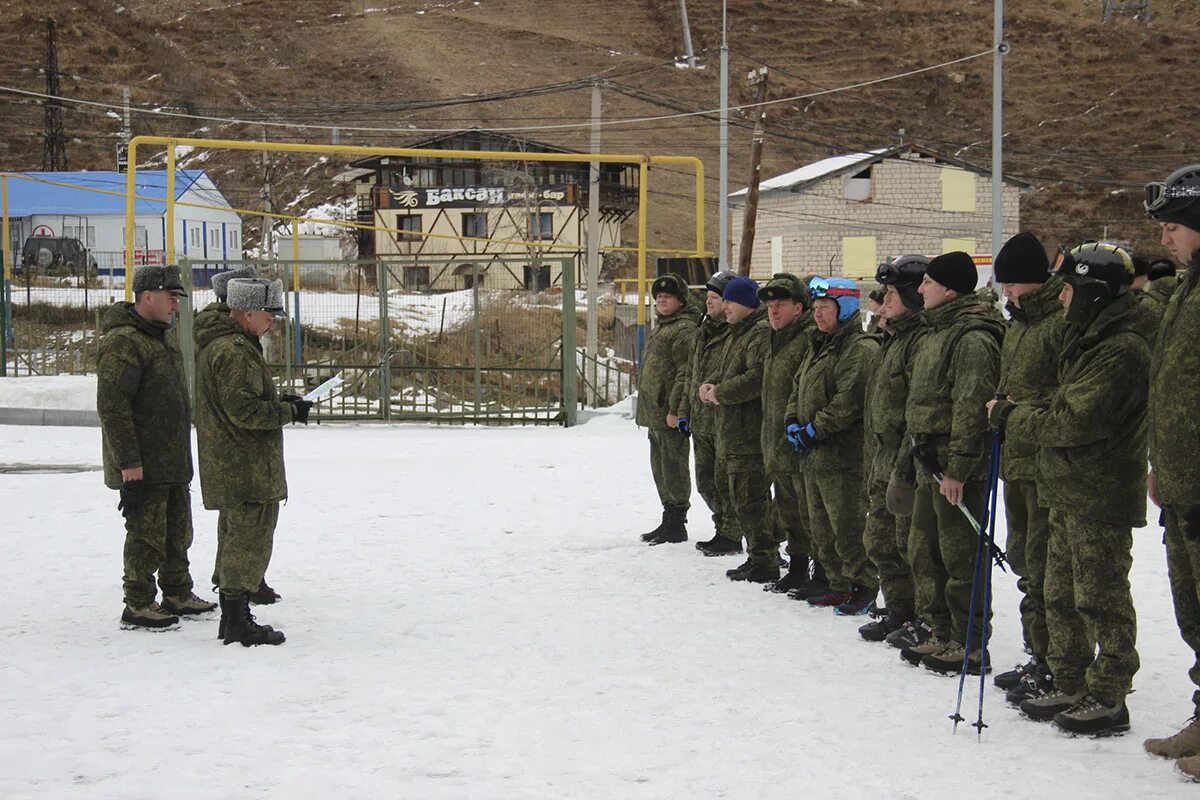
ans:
x=1000 y=412
x=925 y=454
x=132 y=498
x=1191 y=522
x=290 y=398
x=300 y=409
x=684 y=426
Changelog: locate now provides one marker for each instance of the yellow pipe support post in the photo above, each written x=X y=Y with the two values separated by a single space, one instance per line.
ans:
x=169 y=236
x=698 y=167
x=6 y=267
x=643 y=195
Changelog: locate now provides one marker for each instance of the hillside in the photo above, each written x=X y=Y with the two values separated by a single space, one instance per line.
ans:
x=1086 y=124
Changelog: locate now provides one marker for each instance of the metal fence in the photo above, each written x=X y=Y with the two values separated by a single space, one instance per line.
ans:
x=474 y=355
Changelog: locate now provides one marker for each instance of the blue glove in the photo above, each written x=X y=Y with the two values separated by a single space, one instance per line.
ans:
x=808 y=438
x=794 y=437
x=683 y=426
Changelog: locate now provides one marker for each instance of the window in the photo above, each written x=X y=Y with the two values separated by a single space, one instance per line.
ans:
x=85 y=234
x=409 y=222
x=214 y=237
x=537 y=279
x=475 y=225
x=141 y=237
x=194 y=237
x=234 y=239
x=416 y=277
x=541 y=225
x=858 y=188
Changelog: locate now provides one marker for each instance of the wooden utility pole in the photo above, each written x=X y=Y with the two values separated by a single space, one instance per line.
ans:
x=757 y=78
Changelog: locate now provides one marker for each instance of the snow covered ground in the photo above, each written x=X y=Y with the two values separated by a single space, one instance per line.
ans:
x=469 y=615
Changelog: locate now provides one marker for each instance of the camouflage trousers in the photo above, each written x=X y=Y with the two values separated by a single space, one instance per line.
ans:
x=941 y=548
x=157 y=541
x=669 y=464
x=245 y=537
x=885 y=539
x=1028 y=538
x=836 y=516
x=750 y=507
x=790 y=520
x=713 y=485
x=1183 y=572
x=1088 y=605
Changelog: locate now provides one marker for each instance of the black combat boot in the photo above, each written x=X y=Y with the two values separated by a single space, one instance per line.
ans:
x=652 y=535
x=240 y=625
x=755 y=573
x=886 y=622
x=797 y=576
x=674 y=528
x=720 y=546
x=816 y=585
x=265 y=595
x=1013 y=677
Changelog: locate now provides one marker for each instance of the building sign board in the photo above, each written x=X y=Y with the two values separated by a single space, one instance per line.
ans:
x=479 y=196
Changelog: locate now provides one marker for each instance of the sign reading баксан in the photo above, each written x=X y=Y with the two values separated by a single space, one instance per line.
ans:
x=475 y=196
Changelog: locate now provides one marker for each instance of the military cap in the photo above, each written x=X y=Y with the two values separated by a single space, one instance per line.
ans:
x=784 y=286
x=254 y=294
x=220 y=281
x=158 y=279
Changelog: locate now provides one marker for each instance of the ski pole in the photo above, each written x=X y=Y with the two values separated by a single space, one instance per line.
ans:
x=999 y=555
x=993 y=501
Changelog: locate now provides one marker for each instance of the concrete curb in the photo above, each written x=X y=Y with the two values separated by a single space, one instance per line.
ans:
x=49 y=416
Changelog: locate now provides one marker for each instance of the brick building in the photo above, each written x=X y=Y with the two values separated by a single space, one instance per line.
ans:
x=844 y=215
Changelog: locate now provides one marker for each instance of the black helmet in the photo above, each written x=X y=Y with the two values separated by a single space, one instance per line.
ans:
x=1176 y=199
x=719 y=281
x=1099 y=263
x=902 y=271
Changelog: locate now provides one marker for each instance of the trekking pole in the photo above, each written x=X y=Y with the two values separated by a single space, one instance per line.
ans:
x=993 y=501
x=957 y=717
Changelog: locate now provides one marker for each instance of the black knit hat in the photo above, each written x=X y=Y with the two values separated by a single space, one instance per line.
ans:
x=670 y=284
x=1022 y=260
x=955 y=270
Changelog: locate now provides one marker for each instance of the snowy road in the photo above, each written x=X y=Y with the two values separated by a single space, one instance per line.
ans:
x=469 y=615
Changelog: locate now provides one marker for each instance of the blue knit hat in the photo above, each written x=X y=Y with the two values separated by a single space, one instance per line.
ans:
x=743 y=291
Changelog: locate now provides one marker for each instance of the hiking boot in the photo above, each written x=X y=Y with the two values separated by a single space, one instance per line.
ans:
x=881 y=628
x=1094 y=716
x=795 y=578
x=1013 y=677
x=265 y=595
x=949 y=661
x=674 y=527
x=1184 y=744
x=745 y=566
x=652 y=535
x=762 y=573
x=186 y=604
x=831 y=598
x=240 y=625
x=1035 y=684
x=1189 y=767
x=861 y=601
x=1055 y=701
x=910 y=634
x=150 y=616
x=932 y=644
x=814 y=587
x=720 y=546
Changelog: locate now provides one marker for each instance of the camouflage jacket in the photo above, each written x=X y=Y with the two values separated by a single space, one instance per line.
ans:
x=1029 y=369
x=829 y=392
x=886 y=445
x=702 y=368
x=786 y=352
x=142 y=400
x=1174 y=393
x=663 y=374
x=739 y=388
x=955 y=370
x=1092 y=455
x=1150 y=305
x=239 y=418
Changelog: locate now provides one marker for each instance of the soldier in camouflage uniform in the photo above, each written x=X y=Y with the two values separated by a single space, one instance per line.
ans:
x=220 y=282
x=239 y=422
x=1028 y=373
x=1152 y=288
x=791 y=340
x=736 y=391
x=825 y=425
x=699 y=420
x=886 y=460
x=141 y=397
x=1174 y=482
x=1091 y=466
x=954 y=373
x=662 y=382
